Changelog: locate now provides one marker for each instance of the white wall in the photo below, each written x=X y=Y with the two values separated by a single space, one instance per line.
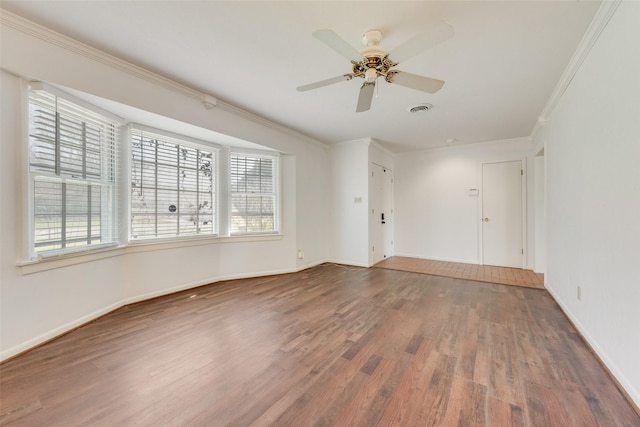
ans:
x=593 y=197
x=435 y=217
x=349 y=189
x=35 y=307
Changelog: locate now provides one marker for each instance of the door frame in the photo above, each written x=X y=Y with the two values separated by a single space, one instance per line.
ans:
x=387 y=246
x=523 y=206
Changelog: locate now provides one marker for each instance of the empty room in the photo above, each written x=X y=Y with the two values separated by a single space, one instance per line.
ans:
x=315 y=213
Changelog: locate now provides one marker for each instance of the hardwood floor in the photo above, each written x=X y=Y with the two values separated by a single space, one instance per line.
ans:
x=326 y=346
x=481 y=273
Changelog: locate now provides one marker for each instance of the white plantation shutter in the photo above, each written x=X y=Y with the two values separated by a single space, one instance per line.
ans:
x=173 y=184
x=253 y=186
x=73 y=165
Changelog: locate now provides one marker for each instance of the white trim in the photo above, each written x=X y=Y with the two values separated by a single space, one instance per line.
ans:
x=348 y=262
x=223 y=184
x=377 y=145
x=477 y=146
x=254 y=152
x=524 y=207
x=43 y=33
x=123 y=204
x=172 y=243
x=309 y=265
x=627 y=385
x=46 y=87
x=598 y=24
x=56 y=332
x=199 y=283
x=366 y=140
x=199 y=143
x=74 y=251
x=434 y=258
x=26 y=183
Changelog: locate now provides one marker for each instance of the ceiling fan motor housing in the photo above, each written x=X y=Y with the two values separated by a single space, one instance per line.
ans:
x=372 y=52
x=372 y=38
x=375 y=60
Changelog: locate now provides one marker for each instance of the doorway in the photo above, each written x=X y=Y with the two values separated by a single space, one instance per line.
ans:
x=502 y=241
x=381 y=215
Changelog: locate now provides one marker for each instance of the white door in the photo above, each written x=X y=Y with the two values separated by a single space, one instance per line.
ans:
x=381 y=210
x=502 y=214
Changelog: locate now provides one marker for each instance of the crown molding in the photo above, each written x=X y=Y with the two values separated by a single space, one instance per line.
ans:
x=271 y=124
x=50 y=36
x=523 y=143
x=598 y=24
x=366 y=140
x=375 y=143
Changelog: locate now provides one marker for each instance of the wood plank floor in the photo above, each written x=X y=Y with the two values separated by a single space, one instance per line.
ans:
x=482 y=273
x=326 y=346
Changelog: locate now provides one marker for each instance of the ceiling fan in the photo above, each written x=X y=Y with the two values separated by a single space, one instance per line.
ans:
x=372 y=61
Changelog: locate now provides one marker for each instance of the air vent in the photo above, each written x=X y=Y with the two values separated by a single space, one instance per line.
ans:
x=420 y=108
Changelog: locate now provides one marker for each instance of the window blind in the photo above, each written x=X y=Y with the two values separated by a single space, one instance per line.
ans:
x=173 y=186
x=73 y=167
x=253 y=187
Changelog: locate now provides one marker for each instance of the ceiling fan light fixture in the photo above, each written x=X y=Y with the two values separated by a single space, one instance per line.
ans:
x=420 y=108
x=370 y=75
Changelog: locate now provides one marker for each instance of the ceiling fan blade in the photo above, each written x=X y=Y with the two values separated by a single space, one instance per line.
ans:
x=335 y=42
x=430 y=38
x=414 y=81
x=322 y=83
x=365 y=97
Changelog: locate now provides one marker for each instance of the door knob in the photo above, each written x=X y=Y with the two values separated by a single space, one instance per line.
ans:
x=485 y=219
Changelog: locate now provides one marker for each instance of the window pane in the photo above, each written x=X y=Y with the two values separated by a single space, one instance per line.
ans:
x=253 y=194
x=42 y=137
x=73 y=161
x=48 y=215
x=167 y=225
x=172 y=187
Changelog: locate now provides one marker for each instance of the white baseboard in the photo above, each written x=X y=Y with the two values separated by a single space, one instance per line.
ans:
x=432 y=258
x=310 y=265
x=631 y=391
x=56 y=332
x=348 y=262
x=196 y=284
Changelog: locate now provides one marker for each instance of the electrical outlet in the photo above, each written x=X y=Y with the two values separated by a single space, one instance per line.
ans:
x=300 y=254
x=579 y=293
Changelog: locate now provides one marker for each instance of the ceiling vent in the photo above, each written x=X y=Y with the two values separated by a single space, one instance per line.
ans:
x=420 y=108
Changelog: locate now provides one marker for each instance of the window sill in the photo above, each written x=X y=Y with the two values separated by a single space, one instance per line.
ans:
x=158 y=245
x=69 y=259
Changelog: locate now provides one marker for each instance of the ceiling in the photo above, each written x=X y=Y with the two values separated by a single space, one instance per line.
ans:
x=500 y=67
